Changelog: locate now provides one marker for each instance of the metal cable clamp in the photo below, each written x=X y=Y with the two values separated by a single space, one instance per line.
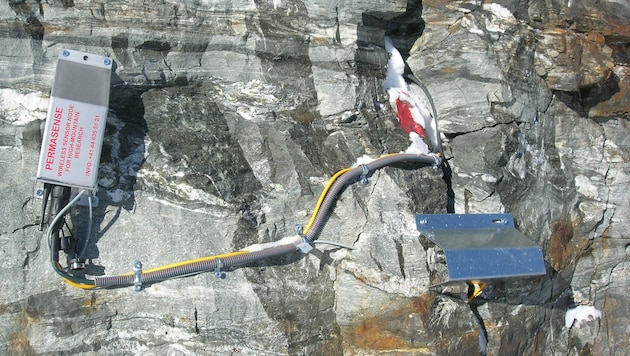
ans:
x=305 y=245
x=364 y=173
x=137 y=275
x=217 y=269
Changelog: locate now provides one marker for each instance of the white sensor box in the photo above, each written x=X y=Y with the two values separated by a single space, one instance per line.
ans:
x=75 y=124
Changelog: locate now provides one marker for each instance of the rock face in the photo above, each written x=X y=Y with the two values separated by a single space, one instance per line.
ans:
x=228 y=117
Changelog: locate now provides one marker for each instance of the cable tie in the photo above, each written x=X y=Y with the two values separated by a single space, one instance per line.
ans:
x=137 y=275
x=364 y=174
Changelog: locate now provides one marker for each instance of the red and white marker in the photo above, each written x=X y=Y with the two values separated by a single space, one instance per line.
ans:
x=413 y=116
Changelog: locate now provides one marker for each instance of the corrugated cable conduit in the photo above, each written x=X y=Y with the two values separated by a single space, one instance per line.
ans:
x=264 y=251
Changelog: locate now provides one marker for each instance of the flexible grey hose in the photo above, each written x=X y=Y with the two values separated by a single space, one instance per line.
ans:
x=194 y=268
x=239 y=260
x=354 y=174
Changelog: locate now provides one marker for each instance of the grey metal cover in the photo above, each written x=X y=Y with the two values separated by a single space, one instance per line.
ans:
x=482 y=246
x=75 y=124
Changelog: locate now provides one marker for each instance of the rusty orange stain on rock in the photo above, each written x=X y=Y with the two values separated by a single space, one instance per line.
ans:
x=595 y=37
x=564 y=246
x=385 y=331
x=19 y=344
x=50 y=28
x=450 y=70
x=18 y=341
x=422 y=304
x=605 y=239
x=371 y=334
x=320 y=41
x=560 y=249
x=91 y=303
x=303 y=116
x=619 y=103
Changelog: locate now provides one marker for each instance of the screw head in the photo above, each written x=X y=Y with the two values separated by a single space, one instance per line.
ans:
x=107 y=61
x=65 y=53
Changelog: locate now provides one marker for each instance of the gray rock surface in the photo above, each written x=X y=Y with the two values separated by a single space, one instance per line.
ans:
x=228 y=117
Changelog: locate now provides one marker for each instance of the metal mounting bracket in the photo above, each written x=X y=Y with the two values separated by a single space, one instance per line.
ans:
x=482 y=246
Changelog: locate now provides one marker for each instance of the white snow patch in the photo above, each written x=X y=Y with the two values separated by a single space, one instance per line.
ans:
x=365 y=159
x=283 y=241
x=581 y=313
x=19 y=108
x=395 y=67
x=188 y=192
x=181 y=189
x=107 y=182
x=417 y=146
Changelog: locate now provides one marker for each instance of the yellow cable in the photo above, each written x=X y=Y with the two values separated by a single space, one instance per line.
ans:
x=236 y=253
x=390 y=154
x=327 y=188
x=79 y=285
x=478 y=289
x=322 y=196
x=57 y=267
x=177 y=264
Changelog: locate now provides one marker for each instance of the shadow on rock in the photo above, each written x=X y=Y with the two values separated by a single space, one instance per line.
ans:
x=122 y=157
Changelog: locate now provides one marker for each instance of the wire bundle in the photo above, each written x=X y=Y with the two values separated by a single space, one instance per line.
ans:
x=324 y=205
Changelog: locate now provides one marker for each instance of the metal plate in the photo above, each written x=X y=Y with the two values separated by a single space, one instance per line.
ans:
x=462 y=221
x=493 y=263
x=75 y=125
x=482 y=246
